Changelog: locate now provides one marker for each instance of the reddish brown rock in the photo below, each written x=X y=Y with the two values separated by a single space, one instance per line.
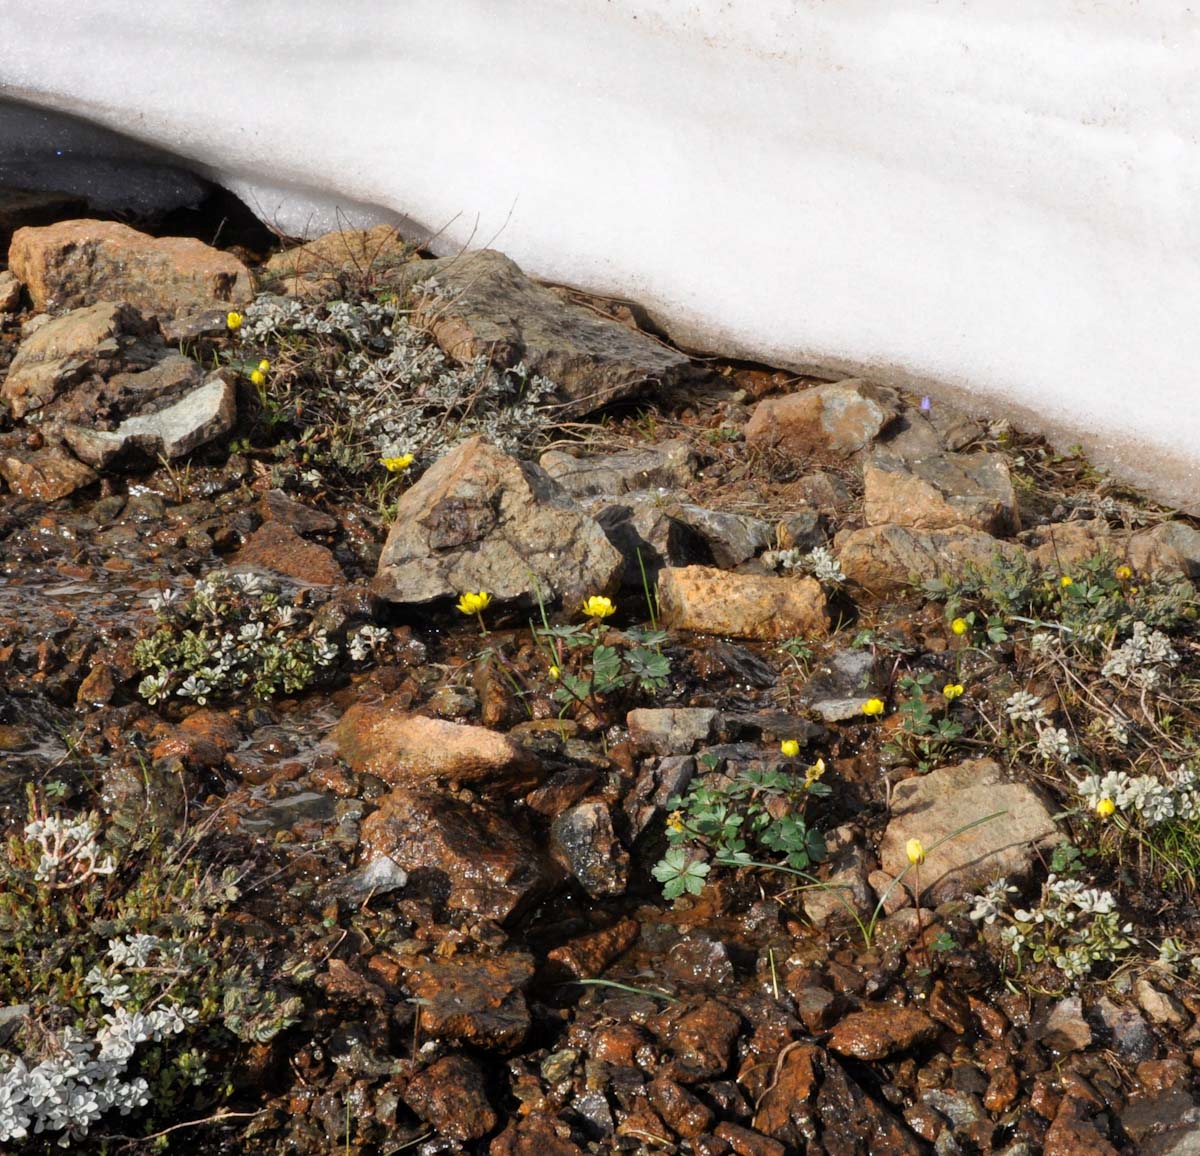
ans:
x=476 y=999
x=701 y=1036
x=44 y=474
x=880 y=1031
x=276 y=546
x=449 y=1095
x=683 y=1113
x=74 y=263
x=784 y=1111
x=467 y=854
x=537 y=1135
x=746 y=1142
x=587 y=956
x=712 y=601
x=407 y=750
x=846 y=1114
x=1074 y=1133
x=214 y=725
x=838 y=418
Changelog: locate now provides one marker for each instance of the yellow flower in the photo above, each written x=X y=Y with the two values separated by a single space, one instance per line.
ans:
x=474 y=603
x=790 y=748
x=397 y=465
x=814 y=772
x=675 y=820
x=952 y=690
x=959 y=626
x=872 y=707
x=1105 y=808
x=264 y=365
x=1066 y=581
x=1124 y=573
x=258 y=377
x=554 y=673
x=597 y=606
x=233 y=320
x=915 y=850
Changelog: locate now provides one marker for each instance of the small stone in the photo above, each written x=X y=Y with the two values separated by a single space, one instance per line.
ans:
x=748 y=1143
x=665 y=465
x=840 y=418
x=583 y=842
x=97 y=688
x=276 y=546
x=880 y=1031
x=701 y=1038
x=449 y=1095
x=45 y=474
x=684 y=1113
x=1160 y=1006
x=1066 y=1029
x=477 y=999
x=10 y=292
x=588 y=955
x=670 y=730
x=712 y=601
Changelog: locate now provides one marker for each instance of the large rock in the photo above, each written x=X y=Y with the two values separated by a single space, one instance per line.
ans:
x=467 y=855
x=932 y=807
x=74 y=263
x=888 y=559
x=58 y=353
x=486 y=307
x=409 y=750
x=276 y=546
x=482 y=520
x=665 y=465
x=172 y=430
x=940 y=491
x=840 y=418
x=350 y=259
x=741 y=605
x=1168 y=548
x=46 y=474
x=477 y=999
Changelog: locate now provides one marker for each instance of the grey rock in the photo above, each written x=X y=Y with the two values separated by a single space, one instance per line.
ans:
x=665 y=465
x=583 y=842
x=301 y=518
x=202 y=416
x=487 y=307
x=1130 y=1035
x=847 y=890
x=1164 y=1123
x=659 y=781
x=380 y=876
x=1065 y=1028
x=934 y=806
x=837 y=689
x=801 y=530
x=670 y=730
x=480 y=519
x=731 y=538
x=642 y=529
x=1168 y=548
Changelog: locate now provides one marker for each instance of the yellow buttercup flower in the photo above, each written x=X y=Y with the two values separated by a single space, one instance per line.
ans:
x=675 y=820
x=264 y=365
x=915 y=850
x=790 y=748
x=258 y=377
x=873 y=707
x=398 y=465
x=814 y=772
x=233 y=320
x=1123 y=573
x=1066 y=580
x=597 y=606
x=554 y=673
x=959 y=626
x=1105 y=808
x=474 y=603
x=952 y=690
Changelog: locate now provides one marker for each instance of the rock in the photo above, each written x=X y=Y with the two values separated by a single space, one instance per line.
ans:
x=1162 y=1007
x=837 y=689
x=840 y=418
x=1168 y=548
x=699 y=961
x=824 y=492
x=584 y=844
x=1130 y=1035
x=97 y=688
x=276 y=546
x=730 y=539
x=847 y=1114
x=588 y=955
x=481 y=520
x=817 y=1008
x=380 y=876
x=664 y=465
x=879 y=1031
x=968 y=1119
x=686 y=1115
x=784 y=1111
x=385 y=739
x=328 y=265
x=886 y=560
x=1074 y=1133
x=670 y=730
x=741 y=605
x=746 y=1142
x=467 y=855
x=57 y=353
x=200 y=416
x=1065 y=1028
x=1165 y=1122
x=22 y=207
x=278 y=507
x=640 y=527
x=801 y=530
x=846 y=892
x=1059 y=546
x=659 y=782
x=10 y=292
x=46 y=474
x=941 y=491
x=486 y=307
x=536 y=1135
x=701 y=1036
x=449 y=1096
x=476 y=999
x=74 y=263
x=930 y=807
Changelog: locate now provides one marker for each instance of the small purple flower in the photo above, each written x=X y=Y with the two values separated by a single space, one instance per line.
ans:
x=926 y=405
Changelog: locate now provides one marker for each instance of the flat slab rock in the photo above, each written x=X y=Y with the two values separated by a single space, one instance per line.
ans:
x=486 y=307
x=667 y=464
x=74 y=263
x=933 y=806
x=481 y=519
x=713 y=601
